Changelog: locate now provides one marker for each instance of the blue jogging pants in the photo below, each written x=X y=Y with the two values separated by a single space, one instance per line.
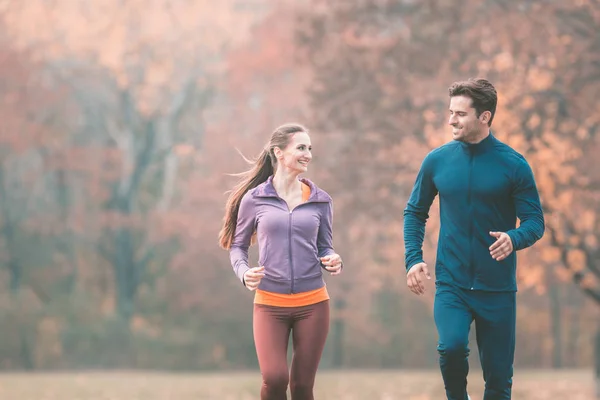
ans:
x=494 y=314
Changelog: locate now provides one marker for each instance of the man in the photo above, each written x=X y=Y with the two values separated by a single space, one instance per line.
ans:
x=484 y=185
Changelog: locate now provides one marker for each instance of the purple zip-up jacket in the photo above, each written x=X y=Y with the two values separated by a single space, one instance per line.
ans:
x=290 y=243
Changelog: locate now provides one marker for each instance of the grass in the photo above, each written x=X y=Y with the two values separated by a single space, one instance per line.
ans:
x=346 y=385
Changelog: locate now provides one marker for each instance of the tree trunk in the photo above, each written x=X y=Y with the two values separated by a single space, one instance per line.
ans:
x=65 y=244
x=556 y=323
x=26 y=351
x=8 y=231
x=125 y=273
x=597 y=361
x=575 y=303
x=127 y=269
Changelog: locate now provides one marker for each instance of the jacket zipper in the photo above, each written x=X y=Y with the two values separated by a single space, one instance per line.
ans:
x=290 y=241
x=290 y=252
x=471 y=266
x=290 y=244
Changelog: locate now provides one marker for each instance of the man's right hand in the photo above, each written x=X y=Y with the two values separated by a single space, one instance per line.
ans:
x=253 y=276
x=414 y=279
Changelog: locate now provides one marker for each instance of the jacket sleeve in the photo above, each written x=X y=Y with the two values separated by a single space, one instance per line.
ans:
x=529 y=210
x=416 y=213
x=325 y=234
x=238 y=253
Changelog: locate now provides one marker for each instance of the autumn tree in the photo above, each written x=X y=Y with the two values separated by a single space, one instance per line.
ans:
x=28 y=108
x=382 y=69
x=139 y=99
x=138 y=80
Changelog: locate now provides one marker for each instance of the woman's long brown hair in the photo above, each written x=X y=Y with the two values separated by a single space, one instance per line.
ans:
x=262 y=167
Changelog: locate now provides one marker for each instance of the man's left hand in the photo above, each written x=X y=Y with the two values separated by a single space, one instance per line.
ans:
x=502 y=247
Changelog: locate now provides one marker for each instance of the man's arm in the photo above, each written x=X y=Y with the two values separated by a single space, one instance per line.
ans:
x=416 y=213
x=528 y=207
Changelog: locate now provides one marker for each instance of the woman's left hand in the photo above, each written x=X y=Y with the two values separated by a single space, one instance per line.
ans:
x=332 y=263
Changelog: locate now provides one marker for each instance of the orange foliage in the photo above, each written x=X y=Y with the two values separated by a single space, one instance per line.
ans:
x=545 y=81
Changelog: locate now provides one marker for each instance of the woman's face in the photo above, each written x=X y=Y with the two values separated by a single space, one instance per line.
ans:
x=296 y=156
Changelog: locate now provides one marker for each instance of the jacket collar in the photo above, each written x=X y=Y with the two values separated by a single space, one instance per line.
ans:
x=266 y=189
x=481 y=147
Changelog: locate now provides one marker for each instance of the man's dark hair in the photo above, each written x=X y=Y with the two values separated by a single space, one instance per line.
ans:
x=481 y=92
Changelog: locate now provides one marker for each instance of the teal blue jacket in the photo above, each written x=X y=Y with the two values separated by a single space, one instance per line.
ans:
x=482 y=187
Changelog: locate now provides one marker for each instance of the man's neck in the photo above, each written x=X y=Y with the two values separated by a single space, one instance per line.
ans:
x=479 y=138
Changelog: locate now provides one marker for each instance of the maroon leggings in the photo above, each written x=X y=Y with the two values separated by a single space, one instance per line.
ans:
x=272 y=326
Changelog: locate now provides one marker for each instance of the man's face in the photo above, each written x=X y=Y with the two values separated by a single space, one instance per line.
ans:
x=466 y=127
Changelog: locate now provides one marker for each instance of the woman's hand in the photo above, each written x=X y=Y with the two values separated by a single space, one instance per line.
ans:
x=332 y=263
x=253 y=276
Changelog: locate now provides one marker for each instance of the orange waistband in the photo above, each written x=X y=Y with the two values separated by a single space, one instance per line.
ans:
x=291 y=300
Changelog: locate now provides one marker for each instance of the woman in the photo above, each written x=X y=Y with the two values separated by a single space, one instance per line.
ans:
x=291 y=219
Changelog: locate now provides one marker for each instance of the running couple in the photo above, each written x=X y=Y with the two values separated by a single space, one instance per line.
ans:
x=483 y=186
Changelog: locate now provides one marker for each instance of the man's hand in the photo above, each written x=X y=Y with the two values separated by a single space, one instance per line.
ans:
x=332 y=263
x=502 y=247
x=414 y=280
x=253 y=276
